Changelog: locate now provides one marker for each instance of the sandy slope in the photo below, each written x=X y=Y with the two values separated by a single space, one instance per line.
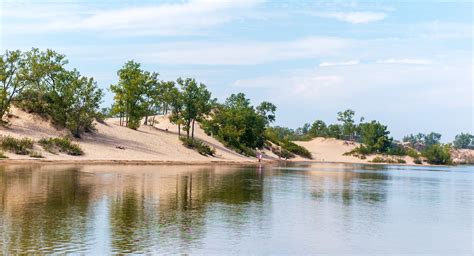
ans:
x=332 y=150
x=145 y=144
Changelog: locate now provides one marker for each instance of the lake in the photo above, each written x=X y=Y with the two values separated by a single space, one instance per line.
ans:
x=294 y=209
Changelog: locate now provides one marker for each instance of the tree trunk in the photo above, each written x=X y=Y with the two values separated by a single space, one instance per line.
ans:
x=146 y=120
x=192 y=132
x=179 y=130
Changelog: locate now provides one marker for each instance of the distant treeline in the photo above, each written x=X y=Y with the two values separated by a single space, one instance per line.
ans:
x=374 y=138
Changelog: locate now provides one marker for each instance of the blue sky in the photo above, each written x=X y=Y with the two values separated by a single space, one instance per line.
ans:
x=408 y=64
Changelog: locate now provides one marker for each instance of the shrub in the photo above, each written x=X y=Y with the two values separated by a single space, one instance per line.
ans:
x=401 y=161
x=63 y=145
x=21 y=146
x=438 y=154
x=296 y=149
x=2 y=155
x=198 y=145
x=417 y=161
x=378 y=159
x=283 y=153
x=413 y=153
x=35 y=154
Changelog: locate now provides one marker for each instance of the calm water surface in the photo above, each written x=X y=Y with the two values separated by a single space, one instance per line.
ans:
x=298 y=209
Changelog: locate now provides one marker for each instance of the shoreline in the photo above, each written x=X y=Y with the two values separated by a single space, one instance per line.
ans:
x=181 y=162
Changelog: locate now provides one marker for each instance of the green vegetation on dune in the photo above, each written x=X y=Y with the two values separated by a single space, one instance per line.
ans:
x=61 y=144
x=21 y=146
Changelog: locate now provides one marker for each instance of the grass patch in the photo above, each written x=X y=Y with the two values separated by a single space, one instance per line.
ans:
x=35 y=154
x=283 y=153
x=198 y=145
x=296 y=149
x=61 y=144
x=2 y=155
x=21 y=146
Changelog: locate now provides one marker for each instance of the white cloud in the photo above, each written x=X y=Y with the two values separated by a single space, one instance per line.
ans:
x=213 y=53
x=406 y=61
x=343 y=63
x=164 y=19
x=353 y=17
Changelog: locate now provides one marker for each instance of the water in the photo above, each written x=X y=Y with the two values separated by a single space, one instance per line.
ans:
x=297 y=209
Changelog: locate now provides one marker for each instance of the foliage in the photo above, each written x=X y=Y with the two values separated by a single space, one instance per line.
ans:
x=319 y=129
x=464 y=140
x=422 y=141
x=347 y=119
x=21 y=146
x=283 y=153
x=296 y=149
x=438 y=154
x=196 y=102
x=335 y=131
x=375 y=137
x=237 y=124
x=61 y=144
x=198 y=145
x=35 y=154
x=68 y=98
x=417 y=161
x=129 y=94
x=13 y=78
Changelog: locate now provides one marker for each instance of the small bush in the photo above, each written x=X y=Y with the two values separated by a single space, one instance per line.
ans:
x=438 y=154
x=198 y=145
x=2 y=155
x=401 y=161
x=63 y=145
x=417 y=161
x=35 y=154
x=378 y=159
x=296 y=149
x=283 y=153
x=413 y=153
x=21 y=146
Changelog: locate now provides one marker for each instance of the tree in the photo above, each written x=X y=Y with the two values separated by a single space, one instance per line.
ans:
x=152 y=94
x=375 y=137
x=238 y=124
x=130 y=93
x=85 y=98
x=464 y=140
x=177 y=105
x=335 y=131
x=347 y=119
x=438 y=154
x=196 y=102
x=12 y=78
x=432 y=138
x=267 y=110
x=319 y=129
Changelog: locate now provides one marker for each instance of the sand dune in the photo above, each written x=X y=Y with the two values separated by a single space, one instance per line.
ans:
x=148 y=143
x=159 y=144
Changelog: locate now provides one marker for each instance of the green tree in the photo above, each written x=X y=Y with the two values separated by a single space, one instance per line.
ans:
x=177 y=106
x=335 y=131
x=238 y=124
x=319 y=129
x=196 y=103
x=438 y=154
x=12 y=78
x=432 y=138
x=464 y=140
x=267 y=110
x=130 y=93
x=347 y=119
x=375 y=137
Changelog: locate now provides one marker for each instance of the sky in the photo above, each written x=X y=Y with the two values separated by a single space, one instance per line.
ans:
x=408 y=64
